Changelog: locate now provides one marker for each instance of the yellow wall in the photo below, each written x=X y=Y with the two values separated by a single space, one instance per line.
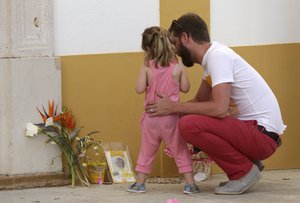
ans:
x=100 y=91
x=173 y=9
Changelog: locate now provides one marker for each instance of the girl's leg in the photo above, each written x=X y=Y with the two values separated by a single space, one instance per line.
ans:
x=139 y=185
x=140 y=178
x=189 y=178
x=190 y=186
x=177 y=145
x=149 y=145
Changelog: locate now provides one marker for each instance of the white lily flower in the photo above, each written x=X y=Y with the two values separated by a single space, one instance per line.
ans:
x=31 y=130
x=49 y=122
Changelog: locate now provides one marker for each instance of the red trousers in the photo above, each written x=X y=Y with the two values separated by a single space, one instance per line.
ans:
x=231 y=143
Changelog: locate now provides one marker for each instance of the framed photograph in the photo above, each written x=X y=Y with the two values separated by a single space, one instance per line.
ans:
x=119 y=163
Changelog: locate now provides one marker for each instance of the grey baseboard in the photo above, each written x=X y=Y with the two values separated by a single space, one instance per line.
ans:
x=33 y=180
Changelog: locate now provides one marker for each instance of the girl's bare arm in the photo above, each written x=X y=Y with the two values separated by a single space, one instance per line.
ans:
x=183 y=80
x=141 y=82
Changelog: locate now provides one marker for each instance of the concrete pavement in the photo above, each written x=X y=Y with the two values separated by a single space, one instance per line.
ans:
x=275 y=186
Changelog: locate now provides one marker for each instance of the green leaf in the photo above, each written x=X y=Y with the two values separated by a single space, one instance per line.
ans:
x=74 y=133
x=93 y=132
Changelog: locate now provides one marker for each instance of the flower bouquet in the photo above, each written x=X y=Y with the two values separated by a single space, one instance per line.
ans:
x=60 y=129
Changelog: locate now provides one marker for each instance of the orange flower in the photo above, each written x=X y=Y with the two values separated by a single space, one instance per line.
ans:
x=68 y=120
x=51 y=112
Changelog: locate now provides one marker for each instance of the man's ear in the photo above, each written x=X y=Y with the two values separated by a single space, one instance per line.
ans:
x=185 y=37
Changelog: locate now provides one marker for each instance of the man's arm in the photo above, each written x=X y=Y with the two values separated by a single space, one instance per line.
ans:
x=203 y=94
x=217 y=106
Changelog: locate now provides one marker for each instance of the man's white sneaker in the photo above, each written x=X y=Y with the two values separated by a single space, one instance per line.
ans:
x=236 y=187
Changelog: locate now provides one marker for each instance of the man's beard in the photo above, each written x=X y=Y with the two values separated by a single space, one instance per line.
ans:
x=186 y=56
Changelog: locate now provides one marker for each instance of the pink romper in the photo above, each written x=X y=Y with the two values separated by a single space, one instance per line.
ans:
x=165 y=128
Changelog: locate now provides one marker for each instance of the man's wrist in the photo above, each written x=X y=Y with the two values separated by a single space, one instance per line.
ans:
x=175 y=108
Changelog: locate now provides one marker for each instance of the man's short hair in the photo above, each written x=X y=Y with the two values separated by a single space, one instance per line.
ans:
x=193 y=25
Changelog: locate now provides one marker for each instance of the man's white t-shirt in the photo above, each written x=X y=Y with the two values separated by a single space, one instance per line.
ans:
x=249 y=91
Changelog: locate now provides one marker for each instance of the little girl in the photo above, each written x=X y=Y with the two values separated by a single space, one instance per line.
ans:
x=161 y=72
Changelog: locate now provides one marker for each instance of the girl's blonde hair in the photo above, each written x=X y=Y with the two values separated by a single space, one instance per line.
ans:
x=157 y=45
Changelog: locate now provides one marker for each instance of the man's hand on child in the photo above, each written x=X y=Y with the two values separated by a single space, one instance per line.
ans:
x=160 y=107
